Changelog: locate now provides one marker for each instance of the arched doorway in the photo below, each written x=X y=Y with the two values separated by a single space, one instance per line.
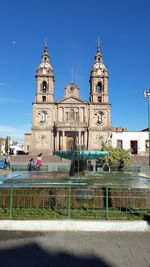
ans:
x=70 y=143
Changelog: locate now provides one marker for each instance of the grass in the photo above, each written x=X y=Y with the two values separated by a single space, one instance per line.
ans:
x=60 y=213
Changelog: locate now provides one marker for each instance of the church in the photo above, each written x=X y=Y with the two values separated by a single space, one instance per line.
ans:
x=71 y=121
x=61 y=125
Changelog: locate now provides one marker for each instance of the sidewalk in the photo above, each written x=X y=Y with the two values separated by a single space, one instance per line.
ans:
x=75 y=225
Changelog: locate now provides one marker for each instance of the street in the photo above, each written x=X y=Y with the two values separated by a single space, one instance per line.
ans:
x=95 y=249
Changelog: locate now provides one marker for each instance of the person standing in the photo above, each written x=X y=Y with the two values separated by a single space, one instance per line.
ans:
x=31 y=165
x=6 y=161
x=39 y=162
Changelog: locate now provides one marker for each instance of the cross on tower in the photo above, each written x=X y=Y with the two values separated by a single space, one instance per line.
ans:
x=98 y=42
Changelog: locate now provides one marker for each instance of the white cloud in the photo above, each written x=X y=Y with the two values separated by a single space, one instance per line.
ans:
x=15 y=133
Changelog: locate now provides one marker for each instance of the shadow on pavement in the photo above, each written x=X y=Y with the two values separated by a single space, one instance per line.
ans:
x=33 y=255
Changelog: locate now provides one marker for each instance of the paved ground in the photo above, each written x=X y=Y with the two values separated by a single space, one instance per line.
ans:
x=74 y=249
x=4 y=171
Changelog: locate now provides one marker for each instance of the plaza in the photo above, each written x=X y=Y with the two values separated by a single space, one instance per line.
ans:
x=65 y=249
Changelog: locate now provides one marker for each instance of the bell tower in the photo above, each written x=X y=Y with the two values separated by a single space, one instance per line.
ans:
x=43 y=108
x=99 y=108
x=45 y=80
x=99 y=80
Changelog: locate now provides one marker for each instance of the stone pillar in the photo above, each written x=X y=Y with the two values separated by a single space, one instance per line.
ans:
x=63 y=118
x=58 y=143
x=105 y=89
x=56 y=140
x=81 y=115
x=62 y=140
x=79 y=137
x=85 y=139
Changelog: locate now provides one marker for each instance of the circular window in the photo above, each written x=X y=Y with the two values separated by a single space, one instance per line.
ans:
x=71 y=88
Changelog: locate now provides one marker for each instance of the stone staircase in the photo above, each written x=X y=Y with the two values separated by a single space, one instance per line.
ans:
x=140 y=160
x=24 y=159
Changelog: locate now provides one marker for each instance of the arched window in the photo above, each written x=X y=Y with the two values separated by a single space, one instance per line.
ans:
x=71 y=115
x=43 y=98
x=99 y=99
x=66 y=116
x=77 y=116
x=100 y=117
x=44 y=85
x=99 y=87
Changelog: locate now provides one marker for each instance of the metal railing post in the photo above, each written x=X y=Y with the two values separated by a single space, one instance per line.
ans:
x=69 y=201
x=107 y=202
x=11 y=202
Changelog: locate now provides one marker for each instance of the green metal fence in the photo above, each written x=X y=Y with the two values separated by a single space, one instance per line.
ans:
x=49 y=167
x=75 y=202
x=22 y=167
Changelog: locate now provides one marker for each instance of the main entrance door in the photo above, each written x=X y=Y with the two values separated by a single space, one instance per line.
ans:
x=70 y=145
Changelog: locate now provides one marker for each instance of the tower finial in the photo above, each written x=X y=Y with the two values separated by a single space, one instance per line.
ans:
x=98 y=43
x=45 y=42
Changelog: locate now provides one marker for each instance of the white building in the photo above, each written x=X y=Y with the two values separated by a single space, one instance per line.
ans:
x=136 y=141
x=15 y=149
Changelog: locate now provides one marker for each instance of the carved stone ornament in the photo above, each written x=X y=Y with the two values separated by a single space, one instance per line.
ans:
x=98 y=116
x=42 y=138
x=43 y=115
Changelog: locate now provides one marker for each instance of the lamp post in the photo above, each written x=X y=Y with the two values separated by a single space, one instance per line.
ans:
x=147 y=95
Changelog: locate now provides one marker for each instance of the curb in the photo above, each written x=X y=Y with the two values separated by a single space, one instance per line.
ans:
x=72 y=225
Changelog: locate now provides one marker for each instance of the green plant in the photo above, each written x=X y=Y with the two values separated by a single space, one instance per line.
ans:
x=7 y=140
x=117 y=157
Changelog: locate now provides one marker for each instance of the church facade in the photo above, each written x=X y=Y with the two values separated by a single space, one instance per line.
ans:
x=61 y=125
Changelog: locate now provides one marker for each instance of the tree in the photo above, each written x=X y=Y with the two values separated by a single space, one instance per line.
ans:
x=7 y=144
x=117 y=158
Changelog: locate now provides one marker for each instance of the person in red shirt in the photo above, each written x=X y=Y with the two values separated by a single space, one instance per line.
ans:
x=39 y=161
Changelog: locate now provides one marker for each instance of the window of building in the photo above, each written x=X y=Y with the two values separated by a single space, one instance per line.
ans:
x=44 y=85
x=44 y=98
x=146 y=145
x=99 y=99
x=120 y=144
x=71 y=115
x=66 y=116
x=100 y=117
x=77 y=116
x=134 y=146
x=99 y=87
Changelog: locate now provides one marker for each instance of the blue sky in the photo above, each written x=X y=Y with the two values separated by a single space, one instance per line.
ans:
x=72 y=29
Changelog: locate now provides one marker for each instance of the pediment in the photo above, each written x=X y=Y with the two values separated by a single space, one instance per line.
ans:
x=72 y=100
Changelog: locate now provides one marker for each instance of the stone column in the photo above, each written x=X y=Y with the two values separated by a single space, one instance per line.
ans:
x=62 y=140
x=81 y=115
x=105 y=89
x=79 y=137
x=56 y=140
x=85 y=140
x=58 y=143
x=63 y=118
